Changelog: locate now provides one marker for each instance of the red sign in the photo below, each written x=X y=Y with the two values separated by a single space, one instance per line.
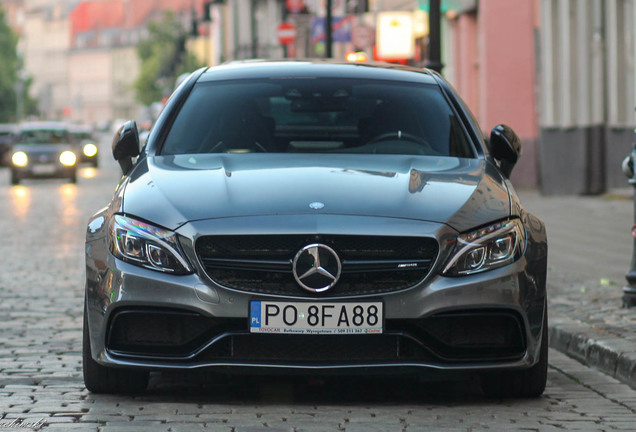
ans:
x=286 y=32
x=295 y=6
x=362 y=36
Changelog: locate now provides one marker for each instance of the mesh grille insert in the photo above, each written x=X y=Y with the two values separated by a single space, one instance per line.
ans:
x=370 y=264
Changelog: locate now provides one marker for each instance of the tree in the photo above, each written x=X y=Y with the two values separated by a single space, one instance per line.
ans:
x=8 y=71
x=163 y=58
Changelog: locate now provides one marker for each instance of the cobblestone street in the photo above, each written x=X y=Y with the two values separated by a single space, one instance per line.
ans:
x=41 y=387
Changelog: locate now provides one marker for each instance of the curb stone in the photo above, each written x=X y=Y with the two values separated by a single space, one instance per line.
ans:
x=607 y=353
x=626 y=370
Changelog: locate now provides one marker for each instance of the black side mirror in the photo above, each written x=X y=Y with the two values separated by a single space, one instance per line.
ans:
x=628 y=167
x=126 y=145
x=505 y=147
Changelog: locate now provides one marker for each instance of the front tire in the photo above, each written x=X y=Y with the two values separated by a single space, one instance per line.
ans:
x=526 y=383
x=15 y=178
x=102 y=379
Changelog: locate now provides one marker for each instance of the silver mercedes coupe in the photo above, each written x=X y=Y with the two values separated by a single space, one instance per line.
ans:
x=316 y=217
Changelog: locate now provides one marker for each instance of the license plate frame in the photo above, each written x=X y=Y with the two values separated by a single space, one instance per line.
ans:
x=44 y=169
x=316 y=317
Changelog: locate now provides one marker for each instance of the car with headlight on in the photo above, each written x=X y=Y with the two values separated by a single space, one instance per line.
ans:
x=86 y=143
x=43 y=150
x=316 y=217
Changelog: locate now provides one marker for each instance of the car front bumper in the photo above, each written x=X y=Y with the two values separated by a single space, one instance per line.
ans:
x=143 y=318
x=45 y=171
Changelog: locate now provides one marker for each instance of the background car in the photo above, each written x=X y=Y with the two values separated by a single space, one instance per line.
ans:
x=317 y=217
x=43 y=149
x=8 y=133
x=87 y=150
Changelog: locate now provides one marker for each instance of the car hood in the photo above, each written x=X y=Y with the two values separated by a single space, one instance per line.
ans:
x=35 y=149
x=173 y=190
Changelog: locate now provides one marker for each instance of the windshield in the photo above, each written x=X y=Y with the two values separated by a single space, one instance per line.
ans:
x=316 y=115
x=43 y=136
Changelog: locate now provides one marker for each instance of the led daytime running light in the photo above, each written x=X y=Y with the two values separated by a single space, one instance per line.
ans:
x=487 y=248
x=143 y=244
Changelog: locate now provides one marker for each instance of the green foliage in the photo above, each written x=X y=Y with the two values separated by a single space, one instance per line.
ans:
x=163 y=58
x=8 y=71
x=30 y=104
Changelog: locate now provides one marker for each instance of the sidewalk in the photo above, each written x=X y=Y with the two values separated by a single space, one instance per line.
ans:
x=589 y=252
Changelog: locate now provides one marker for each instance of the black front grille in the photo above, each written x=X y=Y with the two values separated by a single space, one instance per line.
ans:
x=370 y=264
x=184 y=336
x=479 y=334
x=315 y=349
x=155 y=332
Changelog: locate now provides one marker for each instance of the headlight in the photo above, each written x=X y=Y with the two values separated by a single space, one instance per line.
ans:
x=487 y=248
x=145 y=245
x=90 y=150
x=20 y=159
x=68 y=158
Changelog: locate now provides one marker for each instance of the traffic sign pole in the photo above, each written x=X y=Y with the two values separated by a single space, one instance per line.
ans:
x=328 y=31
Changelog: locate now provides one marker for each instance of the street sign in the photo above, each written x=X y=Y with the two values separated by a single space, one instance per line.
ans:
x=362 y=36
x=286 y=32
x=341 y=28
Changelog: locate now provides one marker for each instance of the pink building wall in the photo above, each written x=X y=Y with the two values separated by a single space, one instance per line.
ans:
x=466 y=60
x=495 y=72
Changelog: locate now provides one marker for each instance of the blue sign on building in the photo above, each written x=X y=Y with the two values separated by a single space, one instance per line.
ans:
x=340 y=28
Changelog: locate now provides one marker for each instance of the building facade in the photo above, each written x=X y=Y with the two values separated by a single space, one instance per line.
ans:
x=244 y=29
x=81 y=55
x=561 y=73
x=45 y=46
x=588 y=94
x=491 y=60
x=103 y=60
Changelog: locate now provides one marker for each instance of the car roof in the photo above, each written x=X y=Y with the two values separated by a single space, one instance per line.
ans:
x=44 y=125
x=287 y=68
x=12 y=127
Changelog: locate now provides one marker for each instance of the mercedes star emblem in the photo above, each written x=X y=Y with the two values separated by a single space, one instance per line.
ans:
x=316 y=267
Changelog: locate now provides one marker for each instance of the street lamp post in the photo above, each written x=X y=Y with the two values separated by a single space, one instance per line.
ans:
x=629 y=291
x=434 y=36
x=328 y=30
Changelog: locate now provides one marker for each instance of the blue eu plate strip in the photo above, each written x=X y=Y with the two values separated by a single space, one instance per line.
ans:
x=255 y=314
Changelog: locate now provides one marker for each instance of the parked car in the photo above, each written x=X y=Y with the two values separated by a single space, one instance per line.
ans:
x=86 y=143
x=318 y=217
x=8 y=133
x=43 y=149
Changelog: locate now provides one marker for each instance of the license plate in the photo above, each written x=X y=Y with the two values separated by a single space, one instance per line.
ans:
x=43 y=169
x=316 y=317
